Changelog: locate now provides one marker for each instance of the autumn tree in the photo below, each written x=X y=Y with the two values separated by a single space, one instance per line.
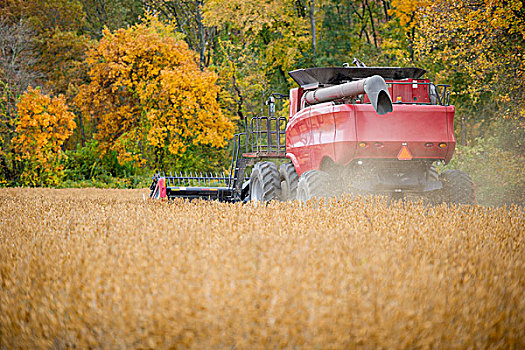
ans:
x=17 y=54
x=7 y=132
x=17 y=60
x=111 y=14
x=148 y=95
x=279 y=29
x=56 y=39
x=476 y=46
x=44 y=124
x=484 y=39
x=257 y=44
x=187 y=16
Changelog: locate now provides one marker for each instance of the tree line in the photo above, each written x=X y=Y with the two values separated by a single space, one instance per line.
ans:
x=110 y=89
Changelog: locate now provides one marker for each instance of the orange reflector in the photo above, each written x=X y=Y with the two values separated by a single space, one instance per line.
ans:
x=404 y=153
x=362 y=144
x=442 y=145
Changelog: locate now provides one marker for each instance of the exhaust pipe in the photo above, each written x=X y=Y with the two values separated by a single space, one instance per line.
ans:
x=375 y=87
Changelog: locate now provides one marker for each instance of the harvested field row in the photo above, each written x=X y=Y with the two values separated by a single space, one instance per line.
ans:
x=106 y=269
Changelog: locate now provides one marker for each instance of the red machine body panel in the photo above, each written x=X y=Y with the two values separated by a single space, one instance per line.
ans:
x=421 y=127
x=295 y=100
x=344 y=132
x=323 y=132
x=345 y=141
x=299 y=139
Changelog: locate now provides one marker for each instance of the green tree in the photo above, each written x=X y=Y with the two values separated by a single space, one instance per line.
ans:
x=362 y=29
x=111 y=14
x=257 y=45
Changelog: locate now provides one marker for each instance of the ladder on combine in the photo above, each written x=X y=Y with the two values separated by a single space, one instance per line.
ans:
x=263 y=139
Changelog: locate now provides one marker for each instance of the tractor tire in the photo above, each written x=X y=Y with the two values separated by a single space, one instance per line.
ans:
x=313 y=184
x=265 y=182
x=458 y=187
x=289 y=181
x=432 y=197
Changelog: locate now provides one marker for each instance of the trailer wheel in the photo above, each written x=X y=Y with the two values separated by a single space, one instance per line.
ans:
x=312 y=184
x=265 y=182
x=458 y=187
x=289 y=181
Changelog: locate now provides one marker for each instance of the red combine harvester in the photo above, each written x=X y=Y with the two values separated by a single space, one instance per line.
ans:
x=343 y=135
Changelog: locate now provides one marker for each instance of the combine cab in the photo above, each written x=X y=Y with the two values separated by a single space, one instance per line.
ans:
x=362 y=130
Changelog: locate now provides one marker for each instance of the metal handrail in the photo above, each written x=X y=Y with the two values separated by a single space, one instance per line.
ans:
x=266 y=134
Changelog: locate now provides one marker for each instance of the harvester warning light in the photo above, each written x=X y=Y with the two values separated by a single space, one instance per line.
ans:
x=404 y=153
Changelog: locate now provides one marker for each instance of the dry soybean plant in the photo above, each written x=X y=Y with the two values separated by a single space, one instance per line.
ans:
x=107 y=269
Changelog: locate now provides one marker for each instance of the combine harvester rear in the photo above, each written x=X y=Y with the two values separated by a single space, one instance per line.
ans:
x=343 y=135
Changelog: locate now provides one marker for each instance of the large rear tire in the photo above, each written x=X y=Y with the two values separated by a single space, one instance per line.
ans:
x=458 y=187
x=289 y=181
x=313 y=184
x=432 y=197
x=265 y=182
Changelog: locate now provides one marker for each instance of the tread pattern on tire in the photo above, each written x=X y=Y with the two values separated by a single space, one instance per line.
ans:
x=289 y=175
x=313 y=183
x=458 y=187
x=268 y=175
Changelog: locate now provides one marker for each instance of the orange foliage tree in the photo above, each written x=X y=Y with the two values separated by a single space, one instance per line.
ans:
x=44 y=124
x=147 y=94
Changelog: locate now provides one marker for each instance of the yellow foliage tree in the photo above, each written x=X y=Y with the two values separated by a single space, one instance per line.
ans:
x=44 y=124
x=258 y=42
x=283 y=33
x=484 y=39
x=147 y=92
x=408 y=12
